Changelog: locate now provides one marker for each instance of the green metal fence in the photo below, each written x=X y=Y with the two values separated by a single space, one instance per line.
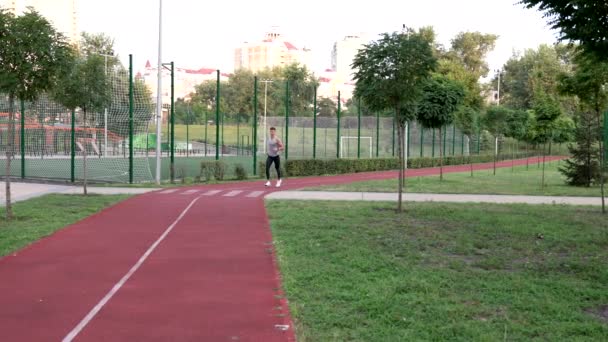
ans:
x=120 y=142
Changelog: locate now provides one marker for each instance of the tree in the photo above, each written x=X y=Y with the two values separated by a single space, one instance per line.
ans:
x=440 y=100
x=518 y=124
x=467 y=120
x=327 y=107
x=495 y=122
x=391 y=73
x=546 y=110
x=582 y=168
x=578 y=21
x=588 y=82
x=84 y=86
x=32 y=53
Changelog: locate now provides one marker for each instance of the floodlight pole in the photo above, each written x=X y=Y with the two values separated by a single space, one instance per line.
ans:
x=159 y=99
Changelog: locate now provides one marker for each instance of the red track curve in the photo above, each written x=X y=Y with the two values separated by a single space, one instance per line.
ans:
x=213 y=278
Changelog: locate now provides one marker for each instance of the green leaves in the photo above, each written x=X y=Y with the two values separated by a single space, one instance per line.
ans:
x=32 y=53
x=579 y=21
x=441 y=98
x=391 y=72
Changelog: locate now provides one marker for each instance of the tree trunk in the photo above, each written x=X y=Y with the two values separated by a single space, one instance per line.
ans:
x=401 y=178
x=84 y=151
x=601 y=141
x=9 y=155
x=542 y=184
x=440 y=155
x=495 y=153
x=527 y=157
x=512 y=158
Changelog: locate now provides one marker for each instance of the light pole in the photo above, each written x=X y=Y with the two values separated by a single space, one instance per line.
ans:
x=499 y=73
x=265 y=98
x=105 y=111
x=159 y=98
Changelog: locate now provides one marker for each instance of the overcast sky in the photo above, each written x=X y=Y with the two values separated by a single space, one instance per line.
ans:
x=204 y=33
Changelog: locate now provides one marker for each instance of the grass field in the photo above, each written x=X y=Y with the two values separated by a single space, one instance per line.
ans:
x=361 y=272
x=506 y=182
x=42 y=216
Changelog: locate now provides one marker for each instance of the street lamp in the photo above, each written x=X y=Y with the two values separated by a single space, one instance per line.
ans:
x=105 y=111
x=265 y=98
x=499 y=73
x=159 y=98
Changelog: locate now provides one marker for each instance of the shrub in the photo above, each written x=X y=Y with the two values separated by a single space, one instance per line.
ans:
x=239 y=172
x=215 y=169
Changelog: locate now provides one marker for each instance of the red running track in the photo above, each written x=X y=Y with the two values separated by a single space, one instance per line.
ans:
x=211 y=276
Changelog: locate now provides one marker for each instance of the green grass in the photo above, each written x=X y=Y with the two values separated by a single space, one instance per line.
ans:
x=475 y=272
x=42 y=216
x=506 y=182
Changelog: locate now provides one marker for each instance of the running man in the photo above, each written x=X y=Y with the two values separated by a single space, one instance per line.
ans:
x=274 y=145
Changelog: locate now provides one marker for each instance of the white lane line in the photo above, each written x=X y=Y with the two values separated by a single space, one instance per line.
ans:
x=189 y=192
x=124 y=279
x=233 y=193
x=212 y=192
x=255 y=194
x=168 y=191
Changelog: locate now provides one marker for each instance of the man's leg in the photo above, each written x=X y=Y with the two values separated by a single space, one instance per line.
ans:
x=277 y=165
x=268 y=163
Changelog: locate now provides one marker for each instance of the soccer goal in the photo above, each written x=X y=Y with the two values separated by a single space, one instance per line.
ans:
x=347 y=141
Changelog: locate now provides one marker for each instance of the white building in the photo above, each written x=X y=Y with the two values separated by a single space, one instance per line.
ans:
x=343 y=54
x=272 y=51
x=184 y=80
x=62 y=14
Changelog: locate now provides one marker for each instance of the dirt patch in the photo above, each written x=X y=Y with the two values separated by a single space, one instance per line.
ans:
x=600 y=312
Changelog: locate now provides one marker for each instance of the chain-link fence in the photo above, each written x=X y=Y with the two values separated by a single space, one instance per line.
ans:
x=50 y=141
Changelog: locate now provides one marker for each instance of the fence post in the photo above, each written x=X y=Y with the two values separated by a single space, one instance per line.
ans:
x=394 y=117
x=605 y=137
x=408 y=139
x=421 y=140
x=377 y=133
x=338 y=128
x=22 y=139
x=359 y=131
x=453 y=139
x=286 y=119
x=314 y=129
x=462 y=144
x=255 y=124
x=72 y=147
x=238 y=133
x=206 y=124
x=433 y=149
x=445 y=135
x=217 y=118
x=131 y=118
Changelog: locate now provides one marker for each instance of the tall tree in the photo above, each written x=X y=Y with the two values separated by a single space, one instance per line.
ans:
x=84 y=86
x=495 y=121
x=583 y=22
x=440 y=100
x=589 y=83
x=32 y=53
x=546 y=110
x=391 y=73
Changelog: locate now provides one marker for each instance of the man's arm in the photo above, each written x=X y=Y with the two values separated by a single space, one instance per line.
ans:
x=280 y=144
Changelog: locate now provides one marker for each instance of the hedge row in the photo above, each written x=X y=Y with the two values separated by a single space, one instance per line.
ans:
x=319 y=167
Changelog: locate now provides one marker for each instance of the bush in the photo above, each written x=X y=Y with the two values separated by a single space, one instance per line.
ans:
x=239 y=172
x=318 y=167
x=215 y=169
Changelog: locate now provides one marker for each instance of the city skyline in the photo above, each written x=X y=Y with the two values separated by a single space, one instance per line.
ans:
x=199 y=35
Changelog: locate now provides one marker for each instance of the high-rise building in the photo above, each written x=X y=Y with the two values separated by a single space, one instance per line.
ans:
x=62 y=14
x=273 y=51
x=344 y=53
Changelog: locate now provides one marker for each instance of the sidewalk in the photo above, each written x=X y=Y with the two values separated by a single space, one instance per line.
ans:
x=414 y=197
x=24 y=191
